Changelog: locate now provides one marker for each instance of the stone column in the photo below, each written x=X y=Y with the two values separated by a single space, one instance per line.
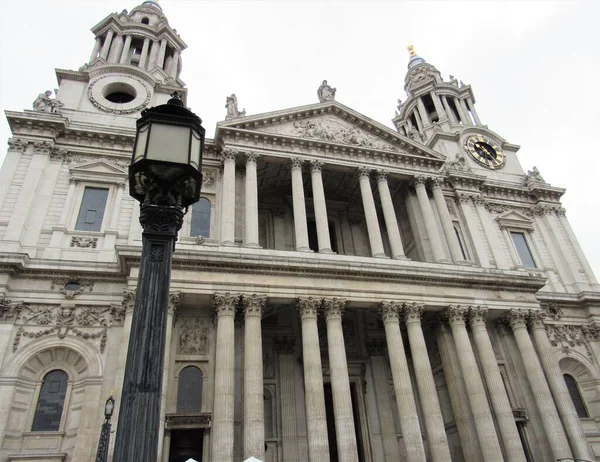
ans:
x=559 y=445
x=115 y=49
x=251 y=213
x=505 y=420
x=175 y=65
x=463 y=417
x=564 y=403
x=465 y=206
x=96 y=49
x=430 y=223
x=389 y=214
x=370 y=213
x=463 y=117
x=405 y=399
x=300 y=226
x=160 y=61
x=418 y=120
x=430 y=405
x=106 y=45
x=482 y=415
x=320 y=207
x=449 y=111
x=125 y=53
x=489 y=228
x=144 y=56
x=446 y=220
x=465 y=110
x=254 y=409
x=316 y=420
x=471 y=107
x=438 y=105
x=287 y=380
x=423 y=113
x=228 y=197
x=222 y=419
x=340 y=383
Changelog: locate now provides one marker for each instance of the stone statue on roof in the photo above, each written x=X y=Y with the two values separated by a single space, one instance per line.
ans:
x=231 y=103
x=326 y=93
x=44 y=103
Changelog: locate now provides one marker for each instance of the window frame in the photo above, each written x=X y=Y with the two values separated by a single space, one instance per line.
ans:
x=528 y=244
x=202 y=379
x=512 y=221
x=581 y=398
x=210 y=219
x=36 y=396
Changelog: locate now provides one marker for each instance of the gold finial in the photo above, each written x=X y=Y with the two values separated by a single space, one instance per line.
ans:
x=411 y=51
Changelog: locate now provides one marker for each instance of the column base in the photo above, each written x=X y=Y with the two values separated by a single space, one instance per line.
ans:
x=253 y=246
x=464 y=263
x=304 y=249
x=326 y=251
x=400 y=257
x=380 y=255
x=443 y=260
x=228 y=244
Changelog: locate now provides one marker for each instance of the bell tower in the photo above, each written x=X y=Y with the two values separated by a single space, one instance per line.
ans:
x=433 y=105
x=135 y=63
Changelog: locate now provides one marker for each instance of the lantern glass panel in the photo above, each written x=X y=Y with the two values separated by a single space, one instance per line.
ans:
x=195 y=154
x=169 y=143
x=140 y=147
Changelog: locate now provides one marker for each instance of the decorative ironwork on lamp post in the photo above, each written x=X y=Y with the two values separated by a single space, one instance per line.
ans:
x=102 y=453
x=165 y=176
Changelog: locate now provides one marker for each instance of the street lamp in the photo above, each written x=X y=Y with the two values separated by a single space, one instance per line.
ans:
x=165 y=176
x=102 y=453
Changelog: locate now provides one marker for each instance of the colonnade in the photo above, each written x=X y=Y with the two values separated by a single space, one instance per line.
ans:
x=116 y=49
x=487 y=429
x=251 y=231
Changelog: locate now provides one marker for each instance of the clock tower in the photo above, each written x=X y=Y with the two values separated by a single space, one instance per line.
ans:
x=441 y=115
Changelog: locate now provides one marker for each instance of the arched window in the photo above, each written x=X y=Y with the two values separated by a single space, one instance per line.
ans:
x=49 y=409
x=200 y=218
x=189 y=393
x=576 y=396
x=145 y=21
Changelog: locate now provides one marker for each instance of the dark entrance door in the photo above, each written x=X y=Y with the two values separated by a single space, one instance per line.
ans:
x=333 y=451
x=186 y=444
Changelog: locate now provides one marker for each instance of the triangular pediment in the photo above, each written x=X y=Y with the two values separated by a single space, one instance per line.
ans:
x=514 y=219
x=331 y=123
x=98 y=167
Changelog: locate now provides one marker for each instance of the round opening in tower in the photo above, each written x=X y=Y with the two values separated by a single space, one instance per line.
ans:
x=119 y=93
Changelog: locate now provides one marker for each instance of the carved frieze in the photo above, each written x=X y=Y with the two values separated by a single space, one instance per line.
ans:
x=84 y=242
x=71 y=285
x=571 y=336
x=193 y=337
x=18 y=144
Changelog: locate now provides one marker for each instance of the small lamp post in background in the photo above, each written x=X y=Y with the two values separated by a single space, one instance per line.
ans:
x=165 y=176
x=102 y=453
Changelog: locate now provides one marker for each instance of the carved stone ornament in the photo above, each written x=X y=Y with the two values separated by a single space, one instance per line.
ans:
x=17 y=144
x=187 y=421
x=456 y=315
x=325 y=92
x=174 y=304
x=128 y=300
x=84 y=242
x=229 y=154
x=296 y=162
x=88 y=323
x=458 y=164
x=390 y=311
x=44 y=103
x=9 y=311
x=551 y=311
x=226 y=304
x=137 y=88
x=308 y=307
x=477 y=315
x=413 y=312
x=193 y=337
x=253 y=304
x=334 y=308
x=231 y=104
x=364 y=172
x=571 y=336
x=208 y=179
x=71 y=286
x=77 y=161
x=533 y=176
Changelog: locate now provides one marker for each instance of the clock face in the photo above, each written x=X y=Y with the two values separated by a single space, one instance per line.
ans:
x=485 y=151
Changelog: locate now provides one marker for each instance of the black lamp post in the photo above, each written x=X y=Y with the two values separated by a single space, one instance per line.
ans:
x=165 y=176
x=102 y=453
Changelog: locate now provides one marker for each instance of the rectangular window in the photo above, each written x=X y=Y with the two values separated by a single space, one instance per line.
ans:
x=91 y=211
x=523 y=249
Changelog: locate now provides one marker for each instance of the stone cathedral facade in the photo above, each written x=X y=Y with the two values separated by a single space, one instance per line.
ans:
x=343 y=291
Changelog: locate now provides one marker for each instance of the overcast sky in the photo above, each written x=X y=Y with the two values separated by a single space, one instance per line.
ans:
x=533 y=67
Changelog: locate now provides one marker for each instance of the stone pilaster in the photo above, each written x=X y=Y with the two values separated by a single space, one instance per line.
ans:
x=505 y=420
x=144 y=55
x=430 y=405
x=564 y=403
x=300 y=225
x=405 y=398
x=316 y=420
x=320 y=207
x=251 y=212
x=370 y=213
x=340 y=383
x=557 y=439
x=430 y=224
x=222 y=418
x=228 y=197
x=254 y=410
x=482 y=415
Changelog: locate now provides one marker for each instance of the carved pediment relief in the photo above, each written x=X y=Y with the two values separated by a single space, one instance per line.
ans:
x=98 y=170
x=514 y=219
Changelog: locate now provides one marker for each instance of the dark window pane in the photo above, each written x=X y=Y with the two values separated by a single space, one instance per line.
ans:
x=50 y=402
x=189 y=393
x=523 y=249
x=460 y=243
x=200 y=218
x=576 y=396
x=91 y=211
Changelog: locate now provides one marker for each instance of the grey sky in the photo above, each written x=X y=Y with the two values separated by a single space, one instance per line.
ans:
x=533 y=67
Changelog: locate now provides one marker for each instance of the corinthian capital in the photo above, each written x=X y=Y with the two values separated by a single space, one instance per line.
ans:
x=225 y=304
x=456 y=314
x=477 y=315
x=296 y=162
x=413 y=312
x=390 y=311
x=229 y=154
x=437 y=183
x=517 y=318
x=334 y=308
x=174 y=303
x=382 y=175
x=536 y=320
x=254 y=304
x=364 y=172
x=420 y=179
x=308 y=307
x=316 y=165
